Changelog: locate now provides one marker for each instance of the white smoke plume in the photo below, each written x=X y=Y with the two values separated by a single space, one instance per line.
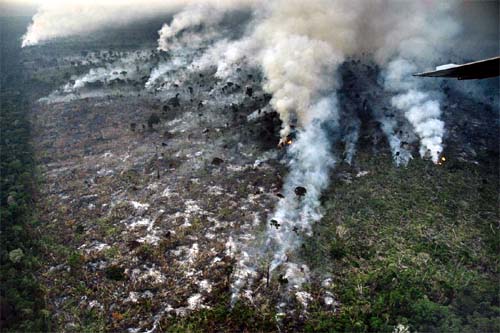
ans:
x=193 y=16
x=60 y=18
x=130 y=67
x=350 y=139
x=389 y=125
x=225 y=55
x=423 y=112
x=405 y=43
x=419 y=108
x=311 y=161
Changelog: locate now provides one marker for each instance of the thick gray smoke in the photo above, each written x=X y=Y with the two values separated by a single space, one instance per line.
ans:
x=60 y=18
x=196 y=15
x=410 y=44
x=311 y=161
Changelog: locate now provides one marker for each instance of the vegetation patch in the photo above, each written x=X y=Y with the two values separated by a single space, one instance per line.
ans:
x=21 y=297
x=415 y=246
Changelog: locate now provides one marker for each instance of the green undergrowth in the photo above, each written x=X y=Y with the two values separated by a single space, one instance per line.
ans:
x=416 y=246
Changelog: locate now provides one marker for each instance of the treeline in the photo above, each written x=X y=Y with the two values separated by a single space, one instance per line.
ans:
x=21 y=296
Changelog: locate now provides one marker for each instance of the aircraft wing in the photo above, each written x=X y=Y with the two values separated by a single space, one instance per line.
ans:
x=481 y=69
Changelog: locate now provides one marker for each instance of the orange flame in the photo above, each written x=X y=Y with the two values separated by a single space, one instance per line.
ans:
x=285 y=142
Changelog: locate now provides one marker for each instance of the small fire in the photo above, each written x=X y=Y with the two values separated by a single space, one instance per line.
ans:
x=285 y=142
x=441 y=160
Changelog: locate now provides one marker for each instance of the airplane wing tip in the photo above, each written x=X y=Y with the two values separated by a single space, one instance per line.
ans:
x=474 y=70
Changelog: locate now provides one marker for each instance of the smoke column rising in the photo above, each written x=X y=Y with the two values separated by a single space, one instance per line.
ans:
x=60 y=18
x=299 y=55
x=312 y=160
x=409 y=42
x=193 y=16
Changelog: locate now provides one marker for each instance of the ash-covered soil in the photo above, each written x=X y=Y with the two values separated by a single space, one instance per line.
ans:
x=148 y=195
x=150 y=214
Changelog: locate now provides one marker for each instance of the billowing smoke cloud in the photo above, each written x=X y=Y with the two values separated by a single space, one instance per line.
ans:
x=60 y=18
x=408 y=43
x=311 y=161
x=197 y=15
x=293 y=44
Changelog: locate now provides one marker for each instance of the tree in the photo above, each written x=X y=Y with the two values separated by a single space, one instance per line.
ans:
x=153 y=120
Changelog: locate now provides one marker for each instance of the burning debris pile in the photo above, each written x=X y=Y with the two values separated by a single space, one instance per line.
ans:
x=324 y=67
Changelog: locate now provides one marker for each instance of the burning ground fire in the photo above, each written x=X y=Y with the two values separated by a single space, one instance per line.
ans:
x=285 y=142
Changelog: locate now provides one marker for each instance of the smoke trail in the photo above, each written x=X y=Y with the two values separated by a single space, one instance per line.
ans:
x=299 y=54
x=310 y=164
x=131 y=67
x=404 y=42
x=400 y=155
x=191 y=17
x=350 y=139
x=60 y=18
x=422 y=112
x=311 y=161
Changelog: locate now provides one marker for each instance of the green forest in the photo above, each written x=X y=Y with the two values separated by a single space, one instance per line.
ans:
x=22 y=300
